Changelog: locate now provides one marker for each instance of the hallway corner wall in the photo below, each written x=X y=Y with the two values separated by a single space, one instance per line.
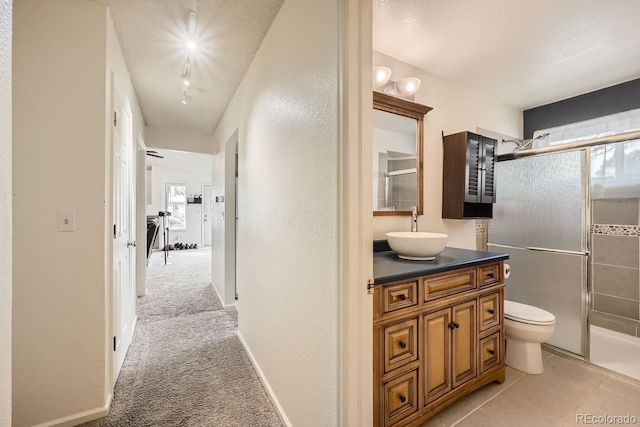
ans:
x=5 y=213
x=286 y=115
x=61 y=163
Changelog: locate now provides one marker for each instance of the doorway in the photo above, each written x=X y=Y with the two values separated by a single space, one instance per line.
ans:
x=207 y=194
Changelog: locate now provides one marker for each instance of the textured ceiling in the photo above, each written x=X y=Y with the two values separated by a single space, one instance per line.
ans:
x=525 y=53
x=152 y=34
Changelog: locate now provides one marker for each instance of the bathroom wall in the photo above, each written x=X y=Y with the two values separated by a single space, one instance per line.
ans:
x=455 y=109
x=615 y=265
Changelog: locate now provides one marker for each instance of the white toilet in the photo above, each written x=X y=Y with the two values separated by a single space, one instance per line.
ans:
x=525 y=328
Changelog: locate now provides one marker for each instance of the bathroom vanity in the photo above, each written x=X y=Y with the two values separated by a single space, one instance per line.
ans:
x=438 y=332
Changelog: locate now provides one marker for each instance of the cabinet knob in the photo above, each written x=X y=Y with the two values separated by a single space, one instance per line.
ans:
x=491 y=351
x=452 y=326
x=403 y=399
x=491 y=311
x=456 y=325
x=402 y=297
x=403 y=345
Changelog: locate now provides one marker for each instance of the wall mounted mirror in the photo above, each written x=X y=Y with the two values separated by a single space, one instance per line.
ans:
x=397 y=154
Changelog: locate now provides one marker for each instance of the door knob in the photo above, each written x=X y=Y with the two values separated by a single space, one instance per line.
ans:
x=131 y=243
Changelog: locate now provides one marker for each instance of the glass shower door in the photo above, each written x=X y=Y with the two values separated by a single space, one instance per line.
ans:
x=540 y=220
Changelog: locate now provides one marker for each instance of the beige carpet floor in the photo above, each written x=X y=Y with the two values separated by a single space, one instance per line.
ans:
x=186 y=366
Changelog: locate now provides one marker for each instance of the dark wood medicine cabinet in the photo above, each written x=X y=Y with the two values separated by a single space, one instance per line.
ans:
x=468 y=181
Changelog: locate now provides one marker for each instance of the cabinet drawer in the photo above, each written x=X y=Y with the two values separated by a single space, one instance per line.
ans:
x=489 y=311
x=396 y=297
x=400 y=396
x=400 y=343
x=448 y=283
x=489 y=352
x=490 y=274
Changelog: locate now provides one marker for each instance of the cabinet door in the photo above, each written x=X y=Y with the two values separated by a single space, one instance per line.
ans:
x=488 y=149
x=473 y=168
x=464 y=342
x=437 y=360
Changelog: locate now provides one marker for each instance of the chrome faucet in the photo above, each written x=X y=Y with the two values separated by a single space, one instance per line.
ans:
x=414 y=218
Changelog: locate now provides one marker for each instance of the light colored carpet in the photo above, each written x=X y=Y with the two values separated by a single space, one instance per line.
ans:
x=186 y=366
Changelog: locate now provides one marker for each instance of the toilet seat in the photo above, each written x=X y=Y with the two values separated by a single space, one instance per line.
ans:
x=528 y=314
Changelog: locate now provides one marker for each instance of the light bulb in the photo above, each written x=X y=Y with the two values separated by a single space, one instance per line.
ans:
x=381 y=76
x=407 y=86
x=186 y=82
x=185 y=100
x=191 y=45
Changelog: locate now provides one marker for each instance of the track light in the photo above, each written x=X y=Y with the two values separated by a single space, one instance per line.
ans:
x=186 y=99
x=191 y=41
x=186 y=73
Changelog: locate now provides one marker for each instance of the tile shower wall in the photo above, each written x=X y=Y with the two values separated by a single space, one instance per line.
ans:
x=615 y=268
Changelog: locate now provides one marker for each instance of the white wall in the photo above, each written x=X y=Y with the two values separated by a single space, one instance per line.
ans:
x=61 y=127
x=179 y=167
x=174 y=139
x=455 y=109
x=285 y=111
x=5 y=213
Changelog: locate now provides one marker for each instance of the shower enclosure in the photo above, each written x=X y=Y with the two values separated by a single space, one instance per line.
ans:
x=568 y=216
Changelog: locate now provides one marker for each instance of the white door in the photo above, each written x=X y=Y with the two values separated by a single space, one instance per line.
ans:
x=124 y=295
x=207 y=193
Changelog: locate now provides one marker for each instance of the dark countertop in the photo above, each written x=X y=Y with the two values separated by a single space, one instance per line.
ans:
x=387 y=267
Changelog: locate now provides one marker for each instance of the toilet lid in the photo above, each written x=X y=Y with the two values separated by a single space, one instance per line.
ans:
x=527 y=314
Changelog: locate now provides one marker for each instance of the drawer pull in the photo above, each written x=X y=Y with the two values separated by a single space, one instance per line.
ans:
x=402 y=297
x=403 y=345
x=491 y=351
x=491 y=311
x=403 y=399
x=490 y=275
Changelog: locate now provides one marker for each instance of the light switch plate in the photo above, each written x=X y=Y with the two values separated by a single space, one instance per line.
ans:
x=66 y=221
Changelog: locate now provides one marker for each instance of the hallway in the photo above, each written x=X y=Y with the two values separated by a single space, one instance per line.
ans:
x=186 y=366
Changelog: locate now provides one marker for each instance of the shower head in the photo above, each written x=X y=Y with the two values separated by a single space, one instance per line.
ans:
x=531 y=141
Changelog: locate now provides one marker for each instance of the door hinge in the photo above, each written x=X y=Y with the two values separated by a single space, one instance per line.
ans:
x=115 y=118
x=370 y=286
x=114 y=343
x=114 y=231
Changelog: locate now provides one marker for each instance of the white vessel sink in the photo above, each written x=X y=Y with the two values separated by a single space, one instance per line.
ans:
x=417 y=245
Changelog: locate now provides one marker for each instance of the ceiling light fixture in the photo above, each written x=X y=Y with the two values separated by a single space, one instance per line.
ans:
x=402 y=88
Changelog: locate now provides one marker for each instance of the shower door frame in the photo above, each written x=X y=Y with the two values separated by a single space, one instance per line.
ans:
x=587 y=284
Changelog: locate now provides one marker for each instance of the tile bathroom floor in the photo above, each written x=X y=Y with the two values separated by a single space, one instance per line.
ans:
x=558 y=397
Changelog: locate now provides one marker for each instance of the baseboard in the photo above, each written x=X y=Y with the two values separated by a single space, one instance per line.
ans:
x=267 y=386
x=80 y=417
x=225 y=306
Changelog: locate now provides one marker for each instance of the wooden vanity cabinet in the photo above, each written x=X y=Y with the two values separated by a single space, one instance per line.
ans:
x=443 y=346
x=468 y=185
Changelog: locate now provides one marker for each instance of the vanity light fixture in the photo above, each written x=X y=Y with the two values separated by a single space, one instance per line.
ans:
x=402 y=88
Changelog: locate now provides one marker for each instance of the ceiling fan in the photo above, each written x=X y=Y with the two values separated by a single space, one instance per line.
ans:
x=153 y=153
